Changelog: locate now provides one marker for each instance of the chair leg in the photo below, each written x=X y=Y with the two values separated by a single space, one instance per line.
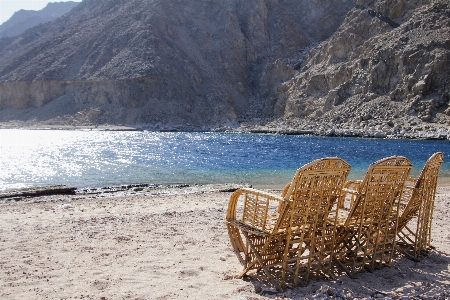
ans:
x=246 y=269
x=346 y=270
x=237 y=243
x=411 y=257
x=266 y=270
x=263 y=266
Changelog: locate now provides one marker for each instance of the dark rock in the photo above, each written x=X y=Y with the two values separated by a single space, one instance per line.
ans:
x=38 y=191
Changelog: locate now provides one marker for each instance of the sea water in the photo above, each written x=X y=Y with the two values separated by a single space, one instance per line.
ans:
x=110 y=158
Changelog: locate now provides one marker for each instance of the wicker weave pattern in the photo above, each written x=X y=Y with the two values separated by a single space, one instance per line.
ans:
x=293 y=239
x=418 y=204
x=366 y=237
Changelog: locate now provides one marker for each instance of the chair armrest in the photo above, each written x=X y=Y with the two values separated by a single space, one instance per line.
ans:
x=286 y=189
x=350 y=191
x=409 y=191
x=411 y=182
x=350 y=187
x=256 y=206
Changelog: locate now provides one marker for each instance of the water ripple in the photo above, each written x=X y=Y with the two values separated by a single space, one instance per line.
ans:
x=105 y=158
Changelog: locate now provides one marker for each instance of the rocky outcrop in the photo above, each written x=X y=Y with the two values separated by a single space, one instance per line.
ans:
x=25 y=19
x=330 y=67
x=386 y=65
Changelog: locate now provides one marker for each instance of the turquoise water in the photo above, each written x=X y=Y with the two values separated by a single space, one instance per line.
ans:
x=111 y=158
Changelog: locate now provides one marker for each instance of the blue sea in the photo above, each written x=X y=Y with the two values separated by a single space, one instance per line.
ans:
x=89 y=159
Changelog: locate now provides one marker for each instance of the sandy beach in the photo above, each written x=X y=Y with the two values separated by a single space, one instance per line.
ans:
x=171 y=245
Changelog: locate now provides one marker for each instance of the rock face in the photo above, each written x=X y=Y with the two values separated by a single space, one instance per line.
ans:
x=195 y=64
x=24 y=19
x=385 y=63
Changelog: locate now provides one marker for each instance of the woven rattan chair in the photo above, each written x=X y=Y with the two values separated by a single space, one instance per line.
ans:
x=365 y=239
x=286 y=239
x=417 y=210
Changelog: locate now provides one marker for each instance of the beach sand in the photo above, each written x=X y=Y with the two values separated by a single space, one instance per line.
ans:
x=170 y=246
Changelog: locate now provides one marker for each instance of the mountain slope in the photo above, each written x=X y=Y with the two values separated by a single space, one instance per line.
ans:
x=201 y=64
x=169 y=62
x=25 y=19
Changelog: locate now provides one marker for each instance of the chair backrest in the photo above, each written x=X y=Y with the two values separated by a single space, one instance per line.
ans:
x=421 y=202
x=366 y=239
x=380 y=191
x=314 y=190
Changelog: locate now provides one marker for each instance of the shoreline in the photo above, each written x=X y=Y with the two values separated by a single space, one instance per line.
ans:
x=437 y=132
x=22 y=194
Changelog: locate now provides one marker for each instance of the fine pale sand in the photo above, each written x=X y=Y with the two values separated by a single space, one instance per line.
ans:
x=169 y=246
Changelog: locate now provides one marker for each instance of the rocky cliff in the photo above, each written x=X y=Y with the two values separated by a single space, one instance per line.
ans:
x=25 y=19
x=197 y=65
x=387 y=65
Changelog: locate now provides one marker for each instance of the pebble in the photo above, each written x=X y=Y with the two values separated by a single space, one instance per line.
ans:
x=67 y=206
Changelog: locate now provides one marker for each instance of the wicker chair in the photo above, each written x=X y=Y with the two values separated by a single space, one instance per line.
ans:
x=417 y=210
x=286 y=239
x=365 y=239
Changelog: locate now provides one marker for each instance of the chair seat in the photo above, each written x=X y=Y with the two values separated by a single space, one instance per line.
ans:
x=249 y=228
